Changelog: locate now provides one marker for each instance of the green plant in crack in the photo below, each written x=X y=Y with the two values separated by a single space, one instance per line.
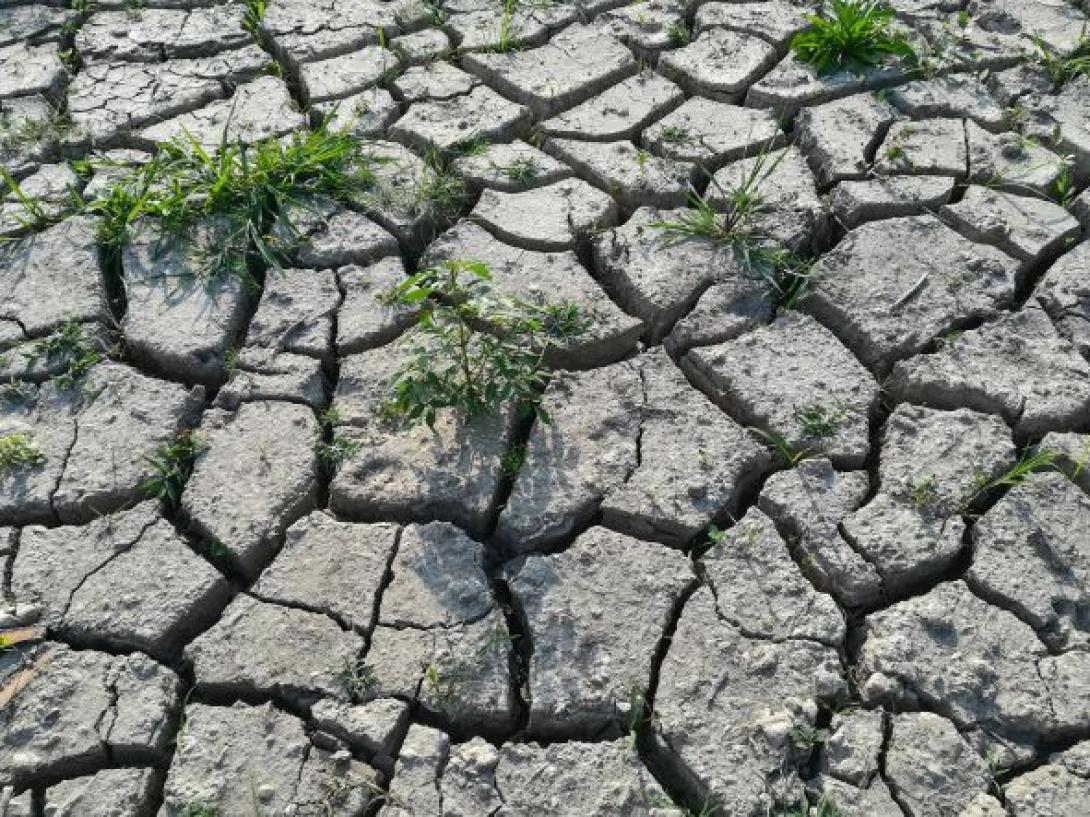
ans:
x=200 y=810
x=737 y=230
x=340 y=448
x=674 y=135
x=513 y=460
x=1062 y=68
x=70 y=346
x=255 y=13
x=172 y=464
x=923 y=491
x=788 y=453
x=679 y=34
x=1027 y=465
x=18 y=451
x=355 y=678
x=852 y=35
x=818 y=420
x=242 y=188
x=806 y=738
x=473 y=349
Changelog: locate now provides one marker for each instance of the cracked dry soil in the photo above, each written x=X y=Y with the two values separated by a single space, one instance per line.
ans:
x=883 y=623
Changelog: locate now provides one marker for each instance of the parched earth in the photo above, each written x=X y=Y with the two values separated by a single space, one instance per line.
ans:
x=512 y=618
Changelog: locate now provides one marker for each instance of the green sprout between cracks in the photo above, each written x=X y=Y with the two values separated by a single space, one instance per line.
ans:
x=473 y=349
x=854 y=35
x=172 y=464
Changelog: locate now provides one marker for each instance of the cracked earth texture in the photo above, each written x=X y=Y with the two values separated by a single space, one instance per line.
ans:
x=884 y=626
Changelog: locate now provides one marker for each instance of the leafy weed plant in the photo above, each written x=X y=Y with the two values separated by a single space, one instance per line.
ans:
x=173 y=463
x=18 y=450
x=472 y=348
x=854 y=35
x=338 y=449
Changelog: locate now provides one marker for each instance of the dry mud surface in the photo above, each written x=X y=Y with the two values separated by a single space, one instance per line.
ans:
x=513 y=619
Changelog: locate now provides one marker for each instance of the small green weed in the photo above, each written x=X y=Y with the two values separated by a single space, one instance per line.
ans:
x=791 y=455
x=34 y=215
x=520 y=170
x=21 y=133
x=1027 y=465
x=924 y=492
x=818 y=420
x=472 y=348
x=173 y=463
x=513 y=460
x=18 y=450
x=783 y=271
x=674 y=135
x=200 y=810
x=338 y=449
x=1062 y=68
x=5 y=643
x=356 y=678
x=255 y=13
x=331 y=416
x=679 y=33
x=69 y=345
x=854 y=36
x=806 y=738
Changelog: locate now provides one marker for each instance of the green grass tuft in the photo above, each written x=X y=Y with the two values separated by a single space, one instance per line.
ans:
x=173 y=463
x=854 y=35
x=243 y=187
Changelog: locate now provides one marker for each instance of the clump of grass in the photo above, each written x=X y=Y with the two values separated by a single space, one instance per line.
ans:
x=735 y=229
x=472 y=349
x=520 y=170
x=680 y=35
x=255 y=13
x=853 y=35
x=21 y=133
x=18 y=450
x=788 y=453
x=355 y=678
x=173 y=463
x=71 y=346
x=200 y=810
x=240 y=187
x=1062 y=68
x=924 y=492
x=674 y=135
